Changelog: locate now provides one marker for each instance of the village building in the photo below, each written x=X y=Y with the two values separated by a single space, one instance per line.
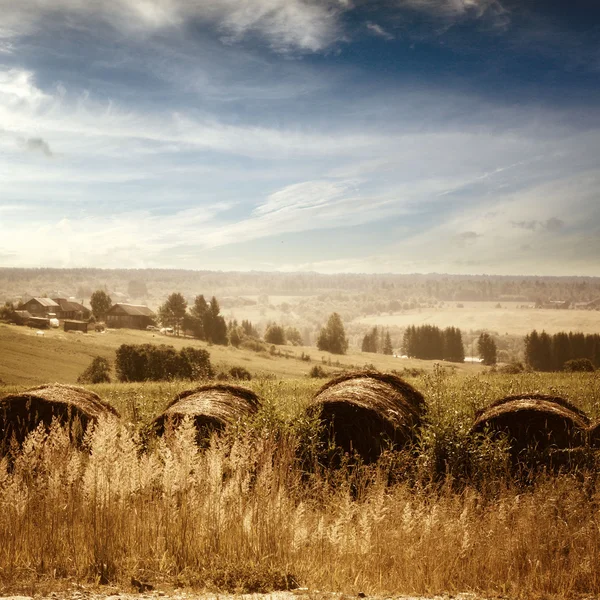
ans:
x=41 y=307
x=68 y=309
x=74 y=325
x=132 y=316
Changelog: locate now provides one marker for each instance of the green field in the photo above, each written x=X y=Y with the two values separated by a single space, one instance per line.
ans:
x=28 y=359
x=509 y=319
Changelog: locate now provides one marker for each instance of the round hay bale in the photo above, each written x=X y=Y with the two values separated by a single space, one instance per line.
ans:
x=534 y=422
x=594 y=435
x=364 y=412
x=72 y=405
x=212 y=407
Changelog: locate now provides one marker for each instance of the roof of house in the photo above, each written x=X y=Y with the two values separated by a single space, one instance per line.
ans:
x=43 y=302
x=132 y=310
x=69 y=306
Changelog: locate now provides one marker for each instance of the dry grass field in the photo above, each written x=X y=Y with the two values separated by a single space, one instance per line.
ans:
x=509 y=319
x=243 y=516
x=29 y=359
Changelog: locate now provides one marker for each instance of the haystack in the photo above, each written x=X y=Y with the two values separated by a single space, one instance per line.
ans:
x=211 y=407
x=75 y=406
x=594 y=435
x=365 y=412
x=534 y=422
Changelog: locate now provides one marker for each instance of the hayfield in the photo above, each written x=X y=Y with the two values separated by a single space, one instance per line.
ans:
x=244 y=516
x=510 y=319
x=28 y=359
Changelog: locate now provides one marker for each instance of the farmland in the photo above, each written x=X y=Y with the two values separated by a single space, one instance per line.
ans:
x=506 y=318
x=29 y=359
x=242 y=517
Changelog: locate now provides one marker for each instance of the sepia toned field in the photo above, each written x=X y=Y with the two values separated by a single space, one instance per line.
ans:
x=243 y=516
x=58 y=356
x=510 y=319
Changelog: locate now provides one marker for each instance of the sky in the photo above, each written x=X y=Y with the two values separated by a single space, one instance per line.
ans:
x=392 y=136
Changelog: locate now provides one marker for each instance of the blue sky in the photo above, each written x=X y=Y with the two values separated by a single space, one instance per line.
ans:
x=457 y=136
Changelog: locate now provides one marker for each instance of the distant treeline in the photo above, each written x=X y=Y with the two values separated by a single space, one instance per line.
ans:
x=157 y=283
x=545 y=352
x=430 y=342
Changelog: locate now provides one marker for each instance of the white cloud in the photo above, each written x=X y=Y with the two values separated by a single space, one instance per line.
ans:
x=304 y=25
x=27 y=111
x=378 y=30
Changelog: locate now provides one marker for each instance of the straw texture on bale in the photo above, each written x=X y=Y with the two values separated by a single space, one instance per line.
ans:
x=594 y=435
x=534 y=422
x=211 y=407
x=70 y=405
x=363 y=412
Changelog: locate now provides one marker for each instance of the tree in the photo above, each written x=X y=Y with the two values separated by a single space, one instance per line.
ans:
x=387 y=344
x=100 y=302
x=97 y=372
x=454 y=350
x=369 y=343
x=195 y=320
x=172 y=312
x=293 y=336
x=275 y=334
x=486 y=347
x=332 y=337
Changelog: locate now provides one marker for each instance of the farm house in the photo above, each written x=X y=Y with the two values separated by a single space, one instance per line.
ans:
x=41 y=307
x=132 y=316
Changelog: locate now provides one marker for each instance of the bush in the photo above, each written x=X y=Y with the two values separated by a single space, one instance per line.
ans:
x=147 y=362
x=252 y=344
x=579 y=365
x=97 y=372
x=240 y=373
x=317 y=372
x=512 y=368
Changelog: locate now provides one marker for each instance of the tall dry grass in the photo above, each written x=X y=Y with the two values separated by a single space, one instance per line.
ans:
x=241 y=515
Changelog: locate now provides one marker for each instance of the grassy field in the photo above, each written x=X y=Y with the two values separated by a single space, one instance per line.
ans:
x=242 y=516
x=510 y=319
x=28 y=359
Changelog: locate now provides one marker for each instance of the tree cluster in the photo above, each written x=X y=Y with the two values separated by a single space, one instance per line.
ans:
x=147 y=362
x=486 y=347
x=544 y=352
x=377 y=341
x=429 y=342
x=279 y=335
x=332 y=337
x=203 y=319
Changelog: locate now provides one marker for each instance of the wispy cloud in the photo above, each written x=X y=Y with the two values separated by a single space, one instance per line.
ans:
x=379 y=31
x=551 y=224
x=303 y=25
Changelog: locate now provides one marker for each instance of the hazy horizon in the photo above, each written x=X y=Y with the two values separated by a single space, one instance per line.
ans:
x=394 y=136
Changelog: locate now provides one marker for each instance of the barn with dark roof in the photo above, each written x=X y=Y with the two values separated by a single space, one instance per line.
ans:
x=132 y=316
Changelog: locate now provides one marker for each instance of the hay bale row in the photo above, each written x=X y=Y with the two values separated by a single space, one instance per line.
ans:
x=71 y=405
x=361 y=414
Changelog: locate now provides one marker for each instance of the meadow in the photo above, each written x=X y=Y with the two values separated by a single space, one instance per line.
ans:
x=503 y=318
x=29 y=359
x=247 y=515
